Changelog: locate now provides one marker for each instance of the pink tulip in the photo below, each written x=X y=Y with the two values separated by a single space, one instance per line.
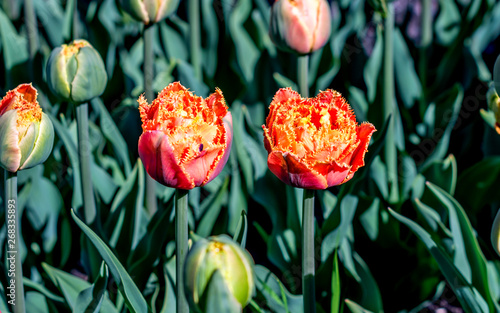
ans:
x=186 y=139
x=300 y=26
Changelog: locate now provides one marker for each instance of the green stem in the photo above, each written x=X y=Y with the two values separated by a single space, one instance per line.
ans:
x=75 y=19
x=303 y=70
x=181 y=241
x=29 y=15
x=308 y=258
x=84 y=151
x=389 y=105
x=195 y=38
x=151 y=202
x=424 y=48
x=12 y=221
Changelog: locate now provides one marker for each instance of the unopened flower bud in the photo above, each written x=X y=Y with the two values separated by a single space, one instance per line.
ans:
x=76 y=72
x=218 y=254
x=26 y=133
x=300 y=26
x=149 y=11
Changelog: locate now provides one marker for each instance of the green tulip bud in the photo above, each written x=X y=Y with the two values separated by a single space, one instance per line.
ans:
x=495 y=233
x=300 y=26
x=76 y=72
x=494 y=106
x=26 y=133
x=149 y=11
x=222 y=255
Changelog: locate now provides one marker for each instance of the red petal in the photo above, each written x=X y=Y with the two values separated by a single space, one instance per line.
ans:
x=285 y=94
x=292 y=172
x=365 y=132
x=224 y=156
x=157 y=154
x=335 y=174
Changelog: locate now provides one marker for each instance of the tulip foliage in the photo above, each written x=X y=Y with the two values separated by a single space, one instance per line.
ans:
x=405 y=220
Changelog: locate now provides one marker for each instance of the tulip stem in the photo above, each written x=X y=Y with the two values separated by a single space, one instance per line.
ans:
x=195 y=37
x=181 y=241
x=14 y=262
x=29 y=15
x=389 y=105
x=151 y=202
x=303 y=70
x=424 y=46
x=84 y=151
x=308 y=260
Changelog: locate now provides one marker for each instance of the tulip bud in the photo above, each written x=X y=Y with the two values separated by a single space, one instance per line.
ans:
x=149 y=11
x=495 y=233
x=300 y=26
x=76 y=72
x=218 y=254
x=494 y=106
x=26 y=133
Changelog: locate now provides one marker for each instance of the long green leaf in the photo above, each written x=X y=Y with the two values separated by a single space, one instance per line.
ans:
x=463 y=290
x=133 y=297
x=469 y=258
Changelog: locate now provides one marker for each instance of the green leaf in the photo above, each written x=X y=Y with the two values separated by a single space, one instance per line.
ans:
x=371 y=298
x=406 y=76
x=284 y=82
x=14 y=46
x=448 y=22
x=468 y=258
x=356 y=308
x=29 y=284
x=247 y=53
x=133 y=297
x=372 y=68
x=271 y=288
x=36 y=303
x=209 y=218
x=333 y=239
x=465 y=293
x=64 y=134
x=443 y=173
x=90 y=300
x=211 y=32
x=237 y=196
x=478 y=185
x=71 y=286
x=335 y=302
x=448 y=102
x=112 y=133
x=240 y=236
x=151 y=245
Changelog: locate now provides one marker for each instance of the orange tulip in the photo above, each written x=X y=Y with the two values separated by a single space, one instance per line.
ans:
x=186 y=139
x=314 y=143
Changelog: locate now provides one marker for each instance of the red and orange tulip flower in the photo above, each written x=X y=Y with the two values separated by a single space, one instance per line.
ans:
x=186 y=139
x=314 y=143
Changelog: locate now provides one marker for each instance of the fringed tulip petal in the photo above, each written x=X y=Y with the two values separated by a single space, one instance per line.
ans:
x=193 y=134
x=314 y=143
